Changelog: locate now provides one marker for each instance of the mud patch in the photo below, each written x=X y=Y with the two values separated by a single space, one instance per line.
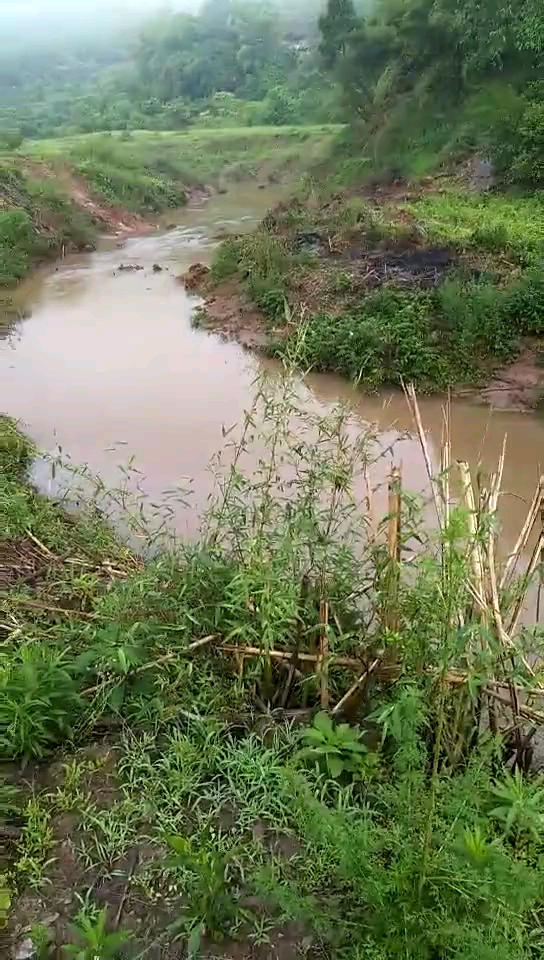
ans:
x=196 y=276
x=517 y=386
x=229 y=312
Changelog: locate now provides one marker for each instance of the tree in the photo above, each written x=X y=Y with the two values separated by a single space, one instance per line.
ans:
x=335 y=26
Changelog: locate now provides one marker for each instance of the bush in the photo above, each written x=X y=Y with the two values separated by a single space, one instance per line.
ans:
x=388 y=339
x=430 y=338
x=16 y=450
x=17 y=243
x=10 y=139
x=38 y=703
x=525 y=304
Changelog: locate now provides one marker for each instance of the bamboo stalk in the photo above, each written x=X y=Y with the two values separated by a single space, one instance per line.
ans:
x=322 y=664
x=523 y=710
x=355 y=687
x=413 y=406
x=445 y=459
x=196 y=644
x=249 y=651
x=391 y=619
x=541 y=570
x=518 y=606
x=475 y=552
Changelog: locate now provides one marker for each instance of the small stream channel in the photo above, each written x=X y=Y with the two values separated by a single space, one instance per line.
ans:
x=108 y=366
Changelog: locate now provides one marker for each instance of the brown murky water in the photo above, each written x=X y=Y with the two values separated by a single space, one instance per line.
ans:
x=107 y=365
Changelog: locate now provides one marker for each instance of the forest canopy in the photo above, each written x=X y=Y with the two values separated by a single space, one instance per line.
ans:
x=417 y=81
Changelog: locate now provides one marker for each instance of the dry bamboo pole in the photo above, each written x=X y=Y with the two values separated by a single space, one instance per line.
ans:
x=518 y=606
x=413 y=406
x=541 y=569
x=351 y=663
x=474 y=547
x=445 y=460
x=521 y=543
x=391 y=618
x=355 y=687
x=523 y=711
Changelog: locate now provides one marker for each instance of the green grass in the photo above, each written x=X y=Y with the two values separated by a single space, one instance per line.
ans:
x=201 y=156
x=177 y=781
x=144 y=172
x=495 y=223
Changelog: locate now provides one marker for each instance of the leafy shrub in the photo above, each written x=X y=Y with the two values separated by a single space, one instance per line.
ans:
x=337 y=749
x=525 y=304
x=212 y=908
x=134 y=189
x=430 y=338
x=17 y=242
x=389 y=338
x=10 y=139
x=38 y=701
x=16 y=450
x=226 y=259
x=93 y=939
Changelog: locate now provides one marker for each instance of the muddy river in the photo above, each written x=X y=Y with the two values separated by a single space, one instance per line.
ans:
x=106 y=365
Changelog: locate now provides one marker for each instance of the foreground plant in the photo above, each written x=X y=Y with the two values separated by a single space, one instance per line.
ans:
x=519 y=805
x=95 y=942
x=212 y=908
x=337 y=748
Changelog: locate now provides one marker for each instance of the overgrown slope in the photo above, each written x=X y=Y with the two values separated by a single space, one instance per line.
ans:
x=284 y=741
x=431 y=81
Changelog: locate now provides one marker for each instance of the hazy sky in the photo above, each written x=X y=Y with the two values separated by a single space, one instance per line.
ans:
x=11 y=10
x=70 y=17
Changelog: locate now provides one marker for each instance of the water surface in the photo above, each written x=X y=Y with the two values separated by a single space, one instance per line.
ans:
x=108 y=365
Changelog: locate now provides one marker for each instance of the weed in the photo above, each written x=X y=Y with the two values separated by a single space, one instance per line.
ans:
x=519 y=805
x=40 y=701
x=212 y=908
x=94 y=942
x=337 y=749
x=35 y=843
x=413 y=846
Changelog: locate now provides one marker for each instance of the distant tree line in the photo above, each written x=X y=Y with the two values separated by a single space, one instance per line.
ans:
x=233 y=62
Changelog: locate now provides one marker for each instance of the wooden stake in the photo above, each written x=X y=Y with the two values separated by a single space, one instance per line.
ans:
x=322 y=665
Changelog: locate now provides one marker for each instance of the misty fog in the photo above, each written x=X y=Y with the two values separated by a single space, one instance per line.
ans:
x=67 y=18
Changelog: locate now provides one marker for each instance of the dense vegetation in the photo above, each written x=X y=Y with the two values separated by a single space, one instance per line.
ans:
x=428 y=79
x=309 y=734
x=234 y=62
x=234 y=813
x=434 y=289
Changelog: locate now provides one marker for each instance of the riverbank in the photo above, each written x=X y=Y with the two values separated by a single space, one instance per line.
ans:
x=174 y=783
x=417 y=282
x=57 y=195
